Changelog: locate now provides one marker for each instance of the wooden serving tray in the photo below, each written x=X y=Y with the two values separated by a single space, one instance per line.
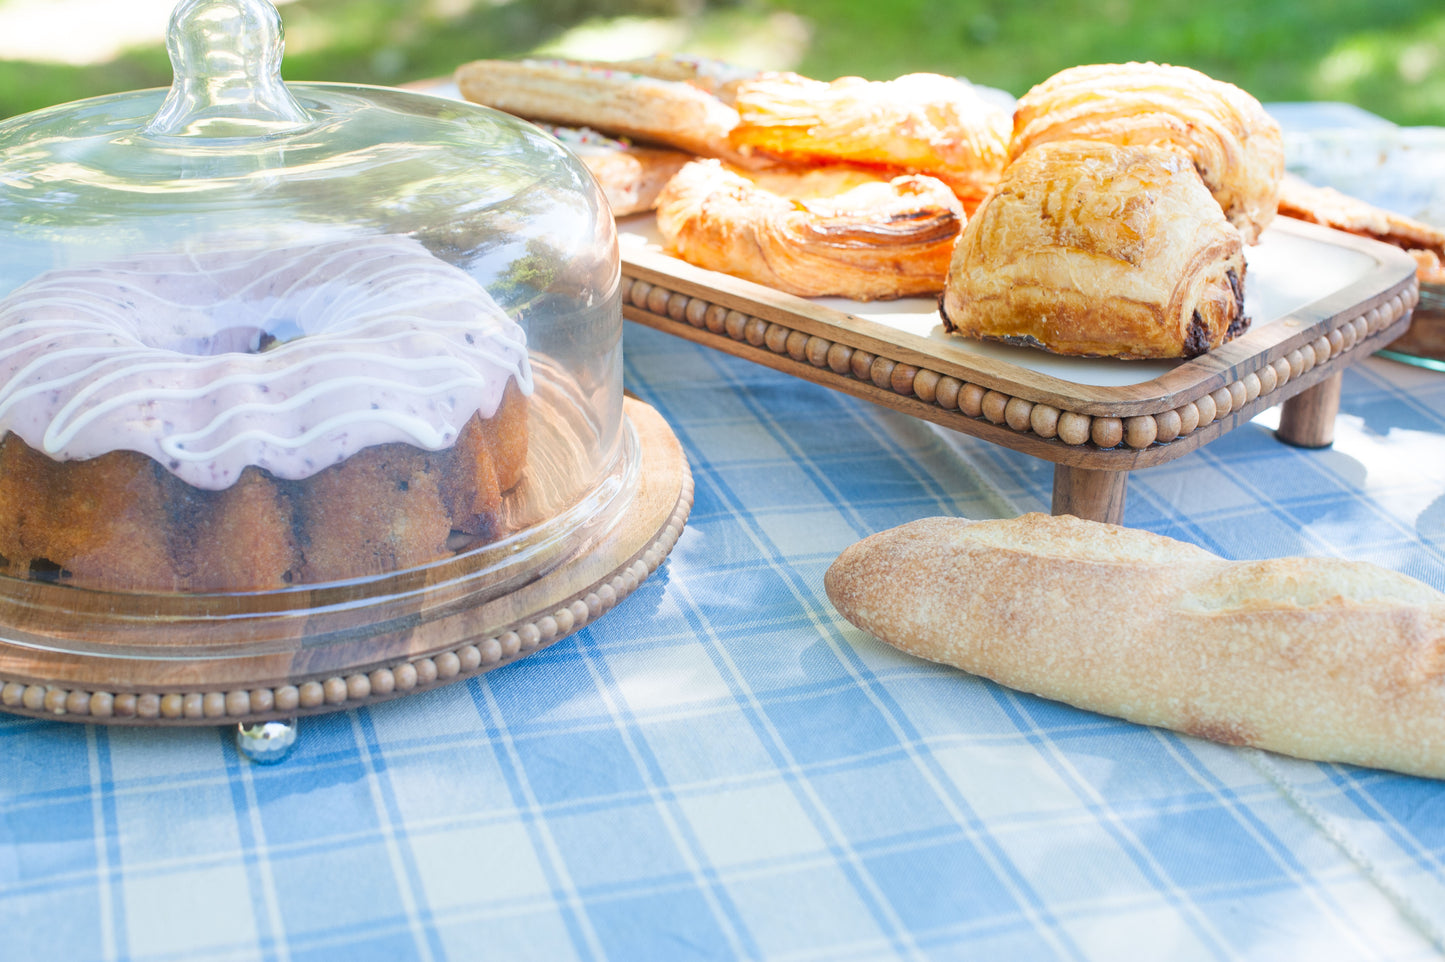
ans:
x=1320 y=299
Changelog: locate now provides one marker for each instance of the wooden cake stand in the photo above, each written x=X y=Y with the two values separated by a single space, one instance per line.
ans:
x=151 y=659
x=1322 y=300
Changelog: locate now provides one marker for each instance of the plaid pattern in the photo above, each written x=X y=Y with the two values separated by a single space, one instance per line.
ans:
x=722 y=768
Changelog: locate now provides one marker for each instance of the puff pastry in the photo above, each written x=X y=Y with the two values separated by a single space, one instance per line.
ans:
x=919 y=123
x=1236 y=146
x=1090 y=248
x=1324 y=205
x=827 y=231
x=617 y=102
x=631 y=177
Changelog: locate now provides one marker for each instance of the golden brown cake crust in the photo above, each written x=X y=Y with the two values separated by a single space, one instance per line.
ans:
x=119 y=521
x=1089 y=248
x=240 y=538
x=101 y=521
x=1235 y=145
x=387 y=504
x=827 y=231
x=486 y=462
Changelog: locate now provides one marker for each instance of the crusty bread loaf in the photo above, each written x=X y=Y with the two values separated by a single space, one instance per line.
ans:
x=1318 y=658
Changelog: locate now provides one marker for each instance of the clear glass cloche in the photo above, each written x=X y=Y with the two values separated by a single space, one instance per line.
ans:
x=295 y=349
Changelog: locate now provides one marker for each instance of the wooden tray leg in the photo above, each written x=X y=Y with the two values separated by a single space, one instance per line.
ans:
x=1089 y=494
x=1307 y=420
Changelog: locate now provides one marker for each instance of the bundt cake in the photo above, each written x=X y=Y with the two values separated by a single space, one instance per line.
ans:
x=247 y=420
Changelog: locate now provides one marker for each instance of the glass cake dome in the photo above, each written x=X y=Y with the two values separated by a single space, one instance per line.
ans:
x=290 y=376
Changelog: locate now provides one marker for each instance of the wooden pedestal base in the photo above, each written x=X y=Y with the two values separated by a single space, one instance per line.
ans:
x=1086 y=493
x=87 y=667
x=1306 y=420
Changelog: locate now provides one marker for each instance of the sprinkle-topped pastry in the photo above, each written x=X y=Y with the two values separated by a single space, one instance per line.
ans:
x=631 y=177
x=673 y=113
x=718 y=77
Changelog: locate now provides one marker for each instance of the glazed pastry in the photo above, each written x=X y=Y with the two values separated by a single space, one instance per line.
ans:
x=631 y=177
x=1089 y=248
x=1235 y=145
x=919 y=123
x=1319 y=658
x=827 y=231
x=1324 y=205
x=615 y=101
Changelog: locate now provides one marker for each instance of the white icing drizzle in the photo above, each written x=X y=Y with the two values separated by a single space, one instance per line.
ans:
x=160 y=354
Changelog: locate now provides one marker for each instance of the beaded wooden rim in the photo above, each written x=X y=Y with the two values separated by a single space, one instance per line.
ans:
x=1044 y=421
x=336 y=692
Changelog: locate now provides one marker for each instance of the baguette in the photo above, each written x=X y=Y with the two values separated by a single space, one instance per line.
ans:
x=1322 y=659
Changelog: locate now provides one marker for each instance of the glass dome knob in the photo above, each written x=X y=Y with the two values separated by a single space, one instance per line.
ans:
x=226 y=60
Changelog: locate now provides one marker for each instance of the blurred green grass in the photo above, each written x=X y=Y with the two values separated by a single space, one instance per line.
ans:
x=1387 y=56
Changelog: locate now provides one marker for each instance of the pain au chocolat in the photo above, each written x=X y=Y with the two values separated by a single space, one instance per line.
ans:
x=1090 y=248
x=1235 y=145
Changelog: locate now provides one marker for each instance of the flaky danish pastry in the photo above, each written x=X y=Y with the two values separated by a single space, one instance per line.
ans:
x=1093 y=249
x=1325 y=205
x=1236 y=146
x=824 y=231
x=616 y=102
x=919 y=123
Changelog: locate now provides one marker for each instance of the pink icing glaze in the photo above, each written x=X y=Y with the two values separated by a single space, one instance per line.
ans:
x=171 y=355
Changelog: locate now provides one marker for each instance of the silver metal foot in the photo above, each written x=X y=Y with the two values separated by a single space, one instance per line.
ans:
x=266 y=742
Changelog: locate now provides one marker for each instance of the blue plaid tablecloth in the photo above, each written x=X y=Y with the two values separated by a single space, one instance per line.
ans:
x=723 y=768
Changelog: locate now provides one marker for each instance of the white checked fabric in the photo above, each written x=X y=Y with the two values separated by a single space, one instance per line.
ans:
x=722 y=768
